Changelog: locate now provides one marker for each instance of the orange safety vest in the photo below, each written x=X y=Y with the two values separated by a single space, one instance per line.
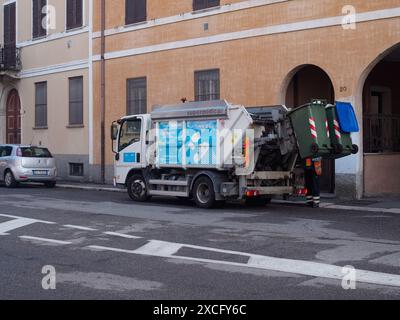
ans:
x=317 y=165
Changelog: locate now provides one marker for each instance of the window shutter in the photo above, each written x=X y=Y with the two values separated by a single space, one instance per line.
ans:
x=35 y=18
x=135 y=11
x=207 y=85
x=74 y=14
x=70 y=14
x=141 y=10
x=204 y=4
x=136 y=96
x=76 y=101
x=41 y=104
x=129 y=11
x=79 y=13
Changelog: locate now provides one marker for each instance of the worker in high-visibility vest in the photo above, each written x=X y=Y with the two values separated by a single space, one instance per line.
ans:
x=313 y=170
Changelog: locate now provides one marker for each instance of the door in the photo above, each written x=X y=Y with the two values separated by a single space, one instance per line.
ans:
x=129 y=154
x=10 y=35
x=13 y=115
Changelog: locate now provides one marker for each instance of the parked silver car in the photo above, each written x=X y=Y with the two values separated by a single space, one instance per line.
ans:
x=19 y=163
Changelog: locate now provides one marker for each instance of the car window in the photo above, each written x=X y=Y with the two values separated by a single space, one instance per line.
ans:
x=35 y=152
x=5 y=152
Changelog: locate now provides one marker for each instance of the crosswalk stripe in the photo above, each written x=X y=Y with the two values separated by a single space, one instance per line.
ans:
x=45 y=240
x=307 y=268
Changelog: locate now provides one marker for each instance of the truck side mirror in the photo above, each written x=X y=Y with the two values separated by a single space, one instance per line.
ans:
x=114 y=131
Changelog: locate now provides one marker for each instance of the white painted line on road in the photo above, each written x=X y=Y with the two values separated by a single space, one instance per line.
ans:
x=79 y=227
x=101 y=248
x=122 y=235
x=328 y=205
x=307 y=268
x=159 y=248
x=16 y=217
x=17 y=223
x=45 y=240
x=365 y=209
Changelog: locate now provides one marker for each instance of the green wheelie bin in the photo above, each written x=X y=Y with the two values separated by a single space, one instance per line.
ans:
x=310 y=126
x=341 y=141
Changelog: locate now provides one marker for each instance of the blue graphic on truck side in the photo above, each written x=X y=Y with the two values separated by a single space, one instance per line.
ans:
x=130 y=157
x=200 y=142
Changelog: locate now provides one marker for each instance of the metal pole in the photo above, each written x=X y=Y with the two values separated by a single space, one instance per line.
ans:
x=103 y=91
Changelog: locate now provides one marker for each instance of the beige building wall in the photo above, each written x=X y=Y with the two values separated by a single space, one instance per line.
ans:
x=58 y=136
x=54 y=58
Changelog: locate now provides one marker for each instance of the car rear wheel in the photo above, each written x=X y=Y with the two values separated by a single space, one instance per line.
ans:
x=137 y=188
x=9 y=180
x=203 y=193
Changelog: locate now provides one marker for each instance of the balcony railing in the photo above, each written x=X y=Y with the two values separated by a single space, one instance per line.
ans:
x=10 y=59
x=381 y=133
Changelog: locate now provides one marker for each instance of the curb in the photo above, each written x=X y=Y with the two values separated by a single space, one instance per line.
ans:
x=90 y=188
x=325 y=205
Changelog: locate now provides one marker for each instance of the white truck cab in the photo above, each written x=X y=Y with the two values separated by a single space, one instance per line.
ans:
x=130 y=145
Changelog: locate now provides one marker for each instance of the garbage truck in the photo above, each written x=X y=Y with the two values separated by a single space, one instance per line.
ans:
x=213 y=151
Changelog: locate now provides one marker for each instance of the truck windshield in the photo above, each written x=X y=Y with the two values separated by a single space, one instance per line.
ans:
x=35 y=152
x=129 y=133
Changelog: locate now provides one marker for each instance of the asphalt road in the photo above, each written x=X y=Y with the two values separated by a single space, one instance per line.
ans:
x=103 y=246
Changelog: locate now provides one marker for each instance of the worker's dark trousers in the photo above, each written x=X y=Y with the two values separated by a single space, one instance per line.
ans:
x=312 y=185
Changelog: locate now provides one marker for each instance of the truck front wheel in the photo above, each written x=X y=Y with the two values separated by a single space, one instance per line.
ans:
x=203 y=193
x=137 y=188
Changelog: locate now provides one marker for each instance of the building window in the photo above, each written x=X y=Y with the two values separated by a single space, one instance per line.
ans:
x=136 y=96
x=204 y=4
x=74 y=14
x=76 y=169
x=207 y=85
x=38 y=16
x=135 y=11
x=76 y=101
x=41 y=104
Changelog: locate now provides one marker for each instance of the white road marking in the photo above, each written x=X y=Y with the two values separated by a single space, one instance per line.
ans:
x=306 y=268
x=45 y=240
x=122 y=235
x=365 y=209
x=79 y=227
x=328 y=205
x=159 y=248
x=16 y=223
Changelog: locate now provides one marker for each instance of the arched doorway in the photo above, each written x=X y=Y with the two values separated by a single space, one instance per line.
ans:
x=381 y=125
x=303 y=84
x=13 y=118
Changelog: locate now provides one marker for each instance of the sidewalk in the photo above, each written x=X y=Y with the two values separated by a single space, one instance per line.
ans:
x=389 y=204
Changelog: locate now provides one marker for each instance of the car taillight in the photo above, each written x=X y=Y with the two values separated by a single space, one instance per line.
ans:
x=19 y=152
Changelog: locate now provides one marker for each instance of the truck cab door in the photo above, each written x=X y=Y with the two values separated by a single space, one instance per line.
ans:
x=129 y=147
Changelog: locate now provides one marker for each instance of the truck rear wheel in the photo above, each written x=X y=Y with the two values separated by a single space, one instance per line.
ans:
x=203 y=193
x=137 y=188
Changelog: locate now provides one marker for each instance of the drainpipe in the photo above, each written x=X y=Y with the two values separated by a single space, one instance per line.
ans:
x=103 y=92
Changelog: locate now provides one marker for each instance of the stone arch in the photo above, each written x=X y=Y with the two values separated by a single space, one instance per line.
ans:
x=303 y=83
x=378 y=125
x=289 y=78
